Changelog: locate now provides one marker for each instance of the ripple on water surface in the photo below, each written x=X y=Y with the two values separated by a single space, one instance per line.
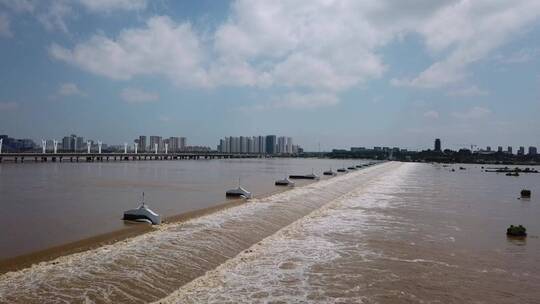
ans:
x=151 y=266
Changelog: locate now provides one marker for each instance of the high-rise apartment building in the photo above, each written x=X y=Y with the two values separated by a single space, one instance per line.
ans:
x=80 y=144
x=153 y=141
x=66 y=143
x=271 y=144
x=142 y=143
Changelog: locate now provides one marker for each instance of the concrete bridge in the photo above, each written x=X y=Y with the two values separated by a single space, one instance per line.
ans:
x=104 y=157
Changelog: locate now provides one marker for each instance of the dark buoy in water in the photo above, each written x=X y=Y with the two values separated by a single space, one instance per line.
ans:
x=525 y=193
x=516 y=231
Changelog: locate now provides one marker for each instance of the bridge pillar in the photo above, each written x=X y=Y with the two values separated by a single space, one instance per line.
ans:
x=22 y=159
x=53 y=159
x=36 y=159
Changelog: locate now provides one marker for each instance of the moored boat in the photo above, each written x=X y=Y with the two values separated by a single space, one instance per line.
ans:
x=142 y=214
x=329 y=172
x=238 y=192
x=284 y=182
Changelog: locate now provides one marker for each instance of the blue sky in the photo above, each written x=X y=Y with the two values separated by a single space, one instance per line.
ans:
x=342 y=73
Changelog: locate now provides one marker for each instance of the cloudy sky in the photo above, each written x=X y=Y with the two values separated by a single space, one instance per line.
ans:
x=338 y=73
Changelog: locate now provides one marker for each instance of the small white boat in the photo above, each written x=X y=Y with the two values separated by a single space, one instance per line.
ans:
x=238 y=192
x=142 y=214
x=284 y=182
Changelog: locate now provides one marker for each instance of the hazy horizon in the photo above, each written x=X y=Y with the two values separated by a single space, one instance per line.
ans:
x=338 y=73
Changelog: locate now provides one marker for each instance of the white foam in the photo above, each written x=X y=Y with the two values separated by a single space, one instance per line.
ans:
x=105 y=274
x=277 y=268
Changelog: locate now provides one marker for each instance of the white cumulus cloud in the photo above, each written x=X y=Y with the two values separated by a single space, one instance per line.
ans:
x=468 y=31
x=326 y=46
x=113 y=5
x=161 y=48
x=134 y=95
x=476 y=112
x=69 y=89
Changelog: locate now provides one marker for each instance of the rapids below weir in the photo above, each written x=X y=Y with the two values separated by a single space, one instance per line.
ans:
x=150 y=267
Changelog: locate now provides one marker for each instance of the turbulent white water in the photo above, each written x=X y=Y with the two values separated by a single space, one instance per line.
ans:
x=149 y=267
x=284 y=268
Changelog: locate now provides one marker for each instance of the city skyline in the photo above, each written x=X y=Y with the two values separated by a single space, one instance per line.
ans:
x=260 y=144
x=328 y=78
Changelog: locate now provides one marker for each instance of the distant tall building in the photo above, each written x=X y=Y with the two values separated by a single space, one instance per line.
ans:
x=142 y=143
x=243 y=144
x=532 y=151
x=66 y=143
x=488 y=149
x=174 y=144
x=271 y=144
x=79 y=144
x=289 y=145
x=282 y=145
x=227 y=148
x=262 y=145
x=251 y=144
x=437 y=145
x=155 y=140
x=509 y=150
x=258 y=145
x=500 y=149
x=182 y=144
x=521 y=151
x=73 y=143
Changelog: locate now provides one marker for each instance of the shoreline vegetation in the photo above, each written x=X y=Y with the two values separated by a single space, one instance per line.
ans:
x=27 y=260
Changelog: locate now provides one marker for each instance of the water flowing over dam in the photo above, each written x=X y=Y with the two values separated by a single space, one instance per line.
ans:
x=152 y=266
